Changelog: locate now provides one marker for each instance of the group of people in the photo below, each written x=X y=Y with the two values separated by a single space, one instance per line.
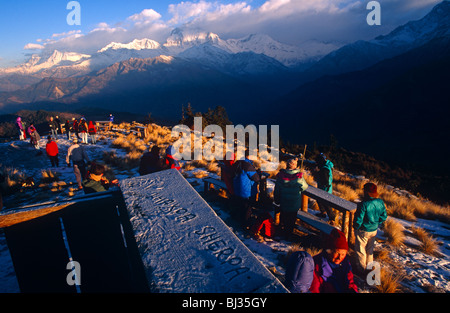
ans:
x=92 y=179
x=28 y=132
x=329 y=271
x=82 y=130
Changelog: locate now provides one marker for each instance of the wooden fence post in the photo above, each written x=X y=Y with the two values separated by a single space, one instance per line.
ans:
x=304 y=203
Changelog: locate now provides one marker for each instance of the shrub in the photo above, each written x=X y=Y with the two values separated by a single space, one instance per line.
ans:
x=429 y=244
x=394 y=232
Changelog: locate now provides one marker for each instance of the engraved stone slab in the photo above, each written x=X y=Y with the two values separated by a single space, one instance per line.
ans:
x=184 y=245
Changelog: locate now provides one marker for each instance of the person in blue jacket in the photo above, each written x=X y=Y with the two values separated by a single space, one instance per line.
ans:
x=245 y=185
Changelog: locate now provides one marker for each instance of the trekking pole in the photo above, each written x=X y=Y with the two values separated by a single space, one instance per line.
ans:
x=303 y=157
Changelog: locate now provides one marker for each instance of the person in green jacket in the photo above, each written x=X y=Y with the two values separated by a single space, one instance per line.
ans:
x=324 y=178
x=95 y=181
x=370 y=214
x=287 y=194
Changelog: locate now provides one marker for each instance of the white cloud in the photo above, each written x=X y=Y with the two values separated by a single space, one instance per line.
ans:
x=33 y=46
x=67 y=34
x=271 y=5
x=290 y=21
x=184 y=11
x=146 y=15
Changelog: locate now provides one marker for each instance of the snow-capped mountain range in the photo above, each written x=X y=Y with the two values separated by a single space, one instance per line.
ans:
x=190 y=45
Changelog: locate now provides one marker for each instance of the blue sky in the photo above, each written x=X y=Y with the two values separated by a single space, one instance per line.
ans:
x=30 y=26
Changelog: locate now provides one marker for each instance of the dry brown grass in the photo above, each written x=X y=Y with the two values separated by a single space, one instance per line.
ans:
x=346 y=192
x=389 y=281
x=49 y=176
x=188 y=166
x=394 y=232
x=429 y=244
x=127 y=163
x=158 y=135
x=200 y=174
x=199 y=163
x=213 y=167
x=13 y=178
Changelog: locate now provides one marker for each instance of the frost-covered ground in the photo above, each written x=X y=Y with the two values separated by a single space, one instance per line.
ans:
x=423 y=273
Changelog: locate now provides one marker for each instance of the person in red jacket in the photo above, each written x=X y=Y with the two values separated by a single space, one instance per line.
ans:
x=52 y=151
x=332 y=269
x=92 y=132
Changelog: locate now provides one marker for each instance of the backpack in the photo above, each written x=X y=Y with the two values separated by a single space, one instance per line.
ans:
x=299 y=272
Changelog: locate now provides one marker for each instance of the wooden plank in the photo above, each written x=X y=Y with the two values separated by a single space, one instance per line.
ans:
x=330 y=199
x=20 y=217
x=315 y=222
x=213 y=181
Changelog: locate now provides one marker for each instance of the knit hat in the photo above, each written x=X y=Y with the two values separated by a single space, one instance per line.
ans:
x=337 y=240
x=371 y=190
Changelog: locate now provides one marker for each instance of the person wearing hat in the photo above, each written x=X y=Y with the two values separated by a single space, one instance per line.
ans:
x=287 y=193
x=369 y=215
x=78 y=155
x=20 y=128
x=332 y=268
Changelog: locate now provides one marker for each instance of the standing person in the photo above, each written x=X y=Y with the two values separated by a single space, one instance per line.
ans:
x=227 y=173
x=111 y=121
x=288 y=190
x=78 y=155
x=332 y=269
x=53 y=127
x=151 y=162
x=92 y=132
x=20 y=128
x=245 y=187
x=58 y=123
x=83 y=130
x=370 y=214
x=52 y=151
x=34 y=136
x=324 y=178
x=68 y=129
x=75 y=127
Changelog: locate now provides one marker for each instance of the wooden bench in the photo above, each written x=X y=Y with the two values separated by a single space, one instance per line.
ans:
x=347 y=208
x=103 y=125
x=215 y=182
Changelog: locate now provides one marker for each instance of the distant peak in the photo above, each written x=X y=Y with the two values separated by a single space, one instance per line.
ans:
x=136 y=44
x=179 y=37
